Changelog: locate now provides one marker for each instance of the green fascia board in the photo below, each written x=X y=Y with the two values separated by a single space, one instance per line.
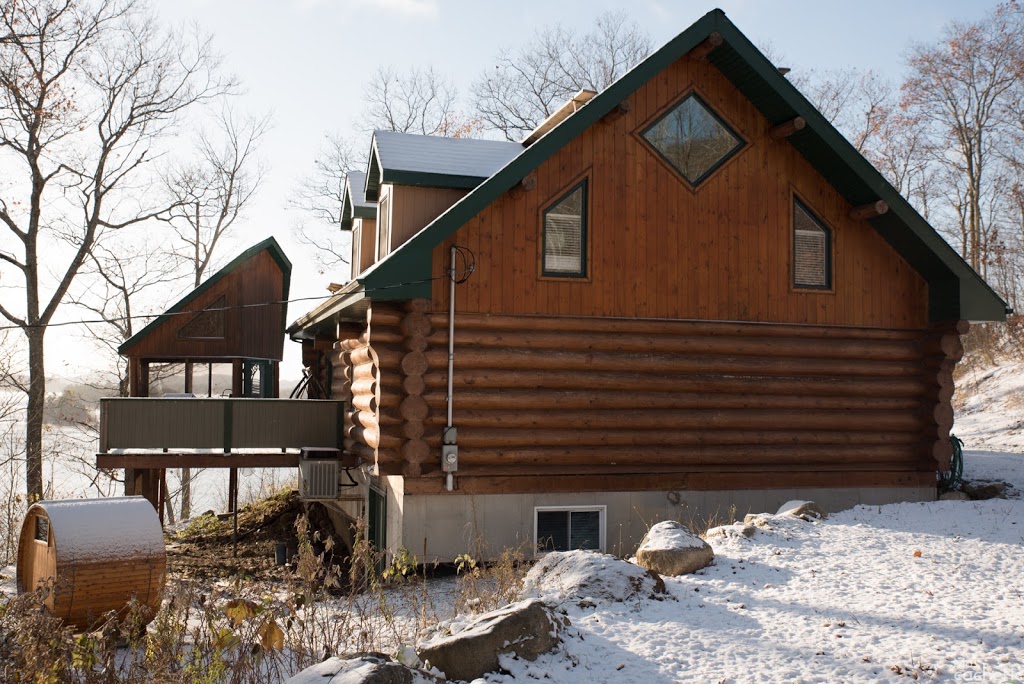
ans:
x=760 y=81
x=270 y=244
x=371 y=190
x=431 y=180
x=346 y=208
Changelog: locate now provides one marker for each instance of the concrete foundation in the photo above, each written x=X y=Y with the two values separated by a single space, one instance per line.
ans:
x=440 y=527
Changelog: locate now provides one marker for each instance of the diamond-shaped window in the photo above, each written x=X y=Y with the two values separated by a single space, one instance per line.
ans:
x=692 y=138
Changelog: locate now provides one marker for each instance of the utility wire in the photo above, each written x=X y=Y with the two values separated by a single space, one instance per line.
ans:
x=468 y=269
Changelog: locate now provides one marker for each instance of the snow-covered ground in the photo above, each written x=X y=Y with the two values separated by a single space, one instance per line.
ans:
x=933 y=591
x=989 y=405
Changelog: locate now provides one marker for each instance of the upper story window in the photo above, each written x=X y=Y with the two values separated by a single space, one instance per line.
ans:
x=692 y=139
x=565 y=234
x=812 y=250
x=383 y=229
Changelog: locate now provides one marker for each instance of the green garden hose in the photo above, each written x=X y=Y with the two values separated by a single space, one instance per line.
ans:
x=950 y=479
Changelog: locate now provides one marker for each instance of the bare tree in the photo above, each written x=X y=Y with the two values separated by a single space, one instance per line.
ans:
x=959 y=88
x=208 y=194
x=87 y=89
x=416 y=101
x=319 y=198
x=529 y=83
x=206 y=197
x=113 y=280
x=858 y=103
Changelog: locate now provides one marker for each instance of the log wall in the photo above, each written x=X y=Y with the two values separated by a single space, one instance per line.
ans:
x=659 y=249
x=558 y=403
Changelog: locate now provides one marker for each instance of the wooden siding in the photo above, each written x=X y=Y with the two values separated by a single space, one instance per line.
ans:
x=659 y=249
x=253 y=332
x=364 y=244
x=412 y=208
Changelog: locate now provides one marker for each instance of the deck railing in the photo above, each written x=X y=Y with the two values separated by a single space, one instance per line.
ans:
x=219 y=424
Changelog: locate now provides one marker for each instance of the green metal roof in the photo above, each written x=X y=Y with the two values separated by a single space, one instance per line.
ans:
x=270 y=244
x=955 y=290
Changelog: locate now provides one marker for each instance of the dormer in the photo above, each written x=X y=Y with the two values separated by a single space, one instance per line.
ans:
x=413 y=179
x=360 y=217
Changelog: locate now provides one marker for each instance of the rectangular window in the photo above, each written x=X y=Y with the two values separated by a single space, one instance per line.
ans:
x=357 y=240
x=812 y=250
x=42 y=529
x=561 y=528
x=565 y=234
x=383 y=229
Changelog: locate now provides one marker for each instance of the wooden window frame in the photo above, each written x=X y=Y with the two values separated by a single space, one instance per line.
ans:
x=384 y=232
x=581 y=181
x=829 y=287
x=585 y=243
x=601 y=509
x=652 y=121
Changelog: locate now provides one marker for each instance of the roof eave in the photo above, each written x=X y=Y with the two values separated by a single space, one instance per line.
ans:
x=307 y=326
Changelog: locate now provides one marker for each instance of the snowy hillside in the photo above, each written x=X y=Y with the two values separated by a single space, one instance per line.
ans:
x=989 y=404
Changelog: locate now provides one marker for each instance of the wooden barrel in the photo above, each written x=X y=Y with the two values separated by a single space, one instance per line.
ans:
x=95 y=554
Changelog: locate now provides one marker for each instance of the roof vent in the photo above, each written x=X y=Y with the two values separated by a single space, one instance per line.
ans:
x=561 y=114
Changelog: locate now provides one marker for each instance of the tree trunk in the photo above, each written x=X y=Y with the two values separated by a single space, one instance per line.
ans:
x=34 y=421
x=186 y=493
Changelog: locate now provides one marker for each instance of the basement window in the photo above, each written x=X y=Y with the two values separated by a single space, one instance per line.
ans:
x=565 y=234
x=568 y=528
x=812 y=250
x=693 y=139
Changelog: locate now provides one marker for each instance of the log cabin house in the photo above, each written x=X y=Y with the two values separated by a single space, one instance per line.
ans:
x=685 y=293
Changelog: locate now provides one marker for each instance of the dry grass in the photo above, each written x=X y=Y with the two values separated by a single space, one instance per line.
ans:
x=245 y=630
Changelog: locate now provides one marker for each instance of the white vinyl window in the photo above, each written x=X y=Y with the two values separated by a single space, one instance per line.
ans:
x=568 y=528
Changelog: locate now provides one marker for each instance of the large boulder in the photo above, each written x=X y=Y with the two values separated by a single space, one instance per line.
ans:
x=366 y=668
x=670 y=548
x=588 y=578
x=984 y=490
x=808 y=510
x=526 y=629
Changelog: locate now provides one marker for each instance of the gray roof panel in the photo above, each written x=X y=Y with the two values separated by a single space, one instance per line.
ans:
x=405 y=156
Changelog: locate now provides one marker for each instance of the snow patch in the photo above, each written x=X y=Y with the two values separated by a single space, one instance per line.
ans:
x=87 y=530
x=669 y=535
x=589 y=577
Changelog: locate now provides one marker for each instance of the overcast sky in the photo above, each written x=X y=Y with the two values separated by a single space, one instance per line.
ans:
x=306 y=61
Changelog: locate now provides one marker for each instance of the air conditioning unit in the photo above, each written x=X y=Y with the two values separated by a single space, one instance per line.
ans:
x=318 y=473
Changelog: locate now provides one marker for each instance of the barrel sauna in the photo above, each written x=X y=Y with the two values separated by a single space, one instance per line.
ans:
x=96 y=554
